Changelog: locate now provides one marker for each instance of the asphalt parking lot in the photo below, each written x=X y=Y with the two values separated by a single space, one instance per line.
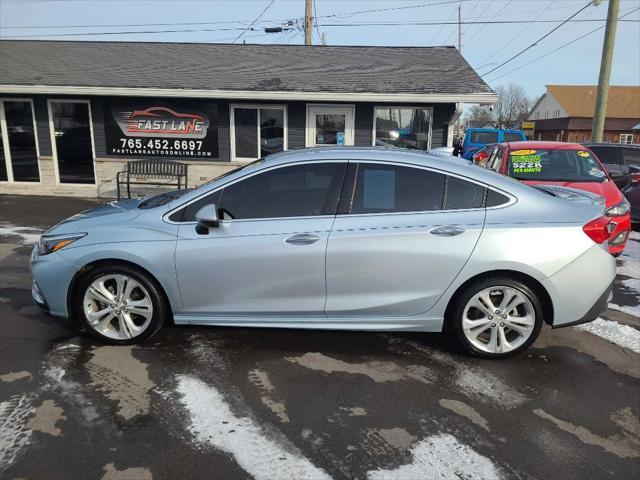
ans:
x=226 y=403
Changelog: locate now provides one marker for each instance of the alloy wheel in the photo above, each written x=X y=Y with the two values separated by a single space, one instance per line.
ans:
x=498 y=319
x=117 y=306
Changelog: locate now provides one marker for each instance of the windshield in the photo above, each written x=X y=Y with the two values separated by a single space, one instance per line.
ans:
x=555 y=165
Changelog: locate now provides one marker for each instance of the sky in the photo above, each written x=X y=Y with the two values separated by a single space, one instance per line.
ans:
x=484 y=46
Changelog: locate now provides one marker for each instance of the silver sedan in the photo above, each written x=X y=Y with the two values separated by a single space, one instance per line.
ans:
x=335 y=238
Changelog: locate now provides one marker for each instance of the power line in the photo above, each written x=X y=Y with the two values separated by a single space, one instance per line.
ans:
x=327 y=25
x=539 y=40
x=315 y=18
x=519 y=33
x=494 y=16
x=252 y=23
x=560 y=47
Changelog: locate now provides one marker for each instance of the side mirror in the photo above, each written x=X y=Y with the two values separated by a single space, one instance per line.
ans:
x=207 y=217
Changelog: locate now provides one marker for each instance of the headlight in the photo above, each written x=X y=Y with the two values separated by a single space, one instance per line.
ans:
x=53 y=243
x=621 y=208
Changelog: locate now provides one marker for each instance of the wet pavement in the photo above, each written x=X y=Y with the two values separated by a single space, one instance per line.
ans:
x=227 y=403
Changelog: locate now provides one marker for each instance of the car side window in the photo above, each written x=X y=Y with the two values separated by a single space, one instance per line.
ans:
x=494 y=198
x=292 y=191
x=460 y=194
x=390 y=188
x=631 y=156
x=188 y=214
x=606 y=154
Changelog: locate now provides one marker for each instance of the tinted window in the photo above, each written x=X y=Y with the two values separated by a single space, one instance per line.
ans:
x=606 y=154
x=631 y=156
x=484 y=137
x=22 y=141
x=271 y=131
x=72 y=133
x=388 y=188
x=301 y=190
x=512 y=137
x=494 y=198
x=461 y=194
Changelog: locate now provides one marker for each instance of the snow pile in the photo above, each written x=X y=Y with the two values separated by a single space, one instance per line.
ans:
x=213 y=422
x=28 y=235
x=629 y=261
x=14 y=434
x=441 y=457
x=622 y=335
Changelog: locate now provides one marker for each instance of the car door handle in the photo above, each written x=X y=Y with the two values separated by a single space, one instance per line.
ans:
x=447 y=231
x=302 y=239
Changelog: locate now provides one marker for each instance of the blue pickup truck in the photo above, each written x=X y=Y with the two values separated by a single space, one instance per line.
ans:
x=477 y=138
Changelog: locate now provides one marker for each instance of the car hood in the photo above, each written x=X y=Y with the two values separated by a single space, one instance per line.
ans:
x=606 y=190
x=109 y=213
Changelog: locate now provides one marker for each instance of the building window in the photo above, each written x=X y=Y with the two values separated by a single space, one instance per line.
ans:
x=626 y=138
x=18 y=144
x=257 y=131
x=407 y=127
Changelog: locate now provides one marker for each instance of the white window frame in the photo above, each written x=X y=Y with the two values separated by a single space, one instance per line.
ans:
x=626 y=136
x=387 y=107
x=7 y=148
x=258 y=107
x=53 y=139
x=349 y=126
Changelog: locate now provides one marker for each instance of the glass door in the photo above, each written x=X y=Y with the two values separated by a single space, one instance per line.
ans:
x=330 y=125
x=70 y=123
x=18 y=145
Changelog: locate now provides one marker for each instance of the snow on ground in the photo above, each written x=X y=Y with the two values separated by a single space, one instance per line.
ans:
x=441 y=457
x=629 y=261
x=630 y=309
x=213 y=422
x=622 y=335
x=14 y=435
x=28 y=235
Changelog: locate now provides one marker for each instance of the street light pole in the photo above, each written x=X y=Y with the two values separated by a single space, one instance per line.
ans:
x=597 y=128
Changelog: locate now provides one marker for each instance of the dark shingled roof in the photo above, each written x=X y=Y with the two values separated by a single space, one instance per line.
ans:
x=210 y=66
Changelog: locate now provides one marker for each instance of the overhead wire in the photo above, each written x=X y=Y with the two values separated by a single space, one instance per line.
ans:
x=252 y=23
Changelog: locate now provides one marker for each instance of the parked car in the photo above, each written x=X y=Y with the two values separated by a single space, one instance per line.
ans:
x=482 y=155
x=569 y=165
x=386 y=240
x=622 y=162
x=477 y=138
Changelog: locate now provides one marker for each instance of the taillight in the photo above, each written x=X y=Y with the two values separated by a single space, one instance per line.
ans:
x=598 y=230
x=635 y=177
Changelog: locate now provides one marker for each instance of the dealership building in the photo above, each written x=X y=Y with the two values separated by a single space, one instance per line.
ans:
x=72 y=114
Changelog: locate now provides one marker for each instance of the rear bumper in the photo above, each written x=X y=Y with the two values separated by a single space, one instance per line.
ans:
x=579 y=292
x=598 y=308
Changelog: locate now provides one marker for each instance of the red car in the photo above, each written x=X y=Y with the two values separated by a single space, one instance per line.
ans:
x=568 y=165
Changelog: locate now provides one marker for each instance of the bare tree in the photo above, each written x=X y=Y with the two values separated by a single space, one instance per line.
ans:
x=512 y=107
x=479 y=116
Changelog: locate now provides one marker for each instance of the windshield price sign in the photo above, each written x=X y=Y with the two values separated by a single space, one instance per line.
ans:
x=154 y=129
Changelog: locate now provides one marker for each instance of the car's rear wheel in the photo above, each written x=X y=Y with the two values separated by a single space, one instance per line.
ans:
x=497 y=317
x=120 y=305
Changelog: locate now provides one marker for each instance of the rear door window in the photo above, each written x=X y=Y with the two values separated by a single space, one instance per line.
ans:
x=461 y=194
x=631 y=156
x=512 y=137
x=483 y=137
x=391 y=189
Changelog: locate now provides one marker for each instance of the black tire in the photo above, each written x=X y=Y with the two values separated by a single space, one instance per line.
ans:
x=455 y=314
x=160 y=309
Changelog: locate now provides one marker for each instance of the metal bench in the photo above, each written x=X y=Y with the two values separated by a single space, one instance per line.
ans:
x=160 y=169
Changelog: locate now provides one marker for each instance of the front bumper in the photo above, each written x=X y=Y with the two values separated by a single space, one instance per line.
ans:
x=52 y=275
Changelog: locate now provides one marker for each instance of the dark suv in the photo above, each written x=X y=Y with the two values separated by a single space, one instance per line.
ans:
x=622 y=162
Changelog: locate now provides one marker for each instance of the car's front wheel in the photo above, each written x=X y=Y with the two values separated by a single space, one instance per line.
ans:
x=497 y=317
x=119 y=304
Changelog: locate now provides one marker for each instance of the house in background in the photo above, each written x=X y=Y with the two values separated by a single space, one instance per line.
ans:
x=565 y=114
x=72 y=114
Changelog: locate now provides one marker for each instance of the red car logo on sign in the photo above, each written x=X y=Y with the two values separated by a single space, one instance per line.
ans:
x=161 y=122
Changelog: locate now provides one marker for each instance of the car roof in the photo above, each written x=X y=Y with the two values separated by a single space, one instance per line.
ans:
x=611 y=144
x=547 y=145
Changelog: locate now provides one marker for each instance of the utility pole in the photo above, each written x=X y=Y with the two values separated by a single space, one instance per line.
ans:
x=460 y=27
x=308 y=15
x=605 y=71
